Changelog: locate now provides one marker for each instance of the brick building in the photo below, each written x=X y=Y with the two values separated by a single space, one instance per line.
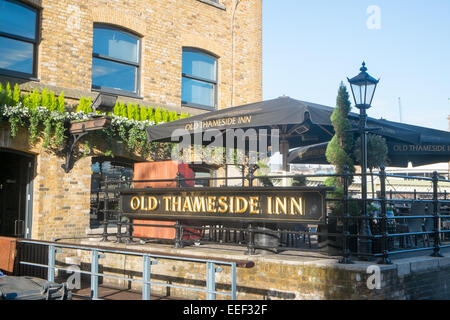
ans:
x=184 y=55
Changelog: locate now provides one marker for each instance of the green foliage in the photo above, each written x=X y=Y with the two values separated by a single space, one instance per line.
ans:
x=53 y=101
x=45 y=99
x=14 y=123
x=158 y=116
x=173 y=116
x=143 y=113
x=32 y=100
x=164 y=115
x=123 y=110
x=150 y=114
x=61 y=102
x=84 y=105
x=337 y=207
x=59 y=134
x=339 y=149
x=47 y=133
x=16 y=95
x=8 y=95
x=1 y=95
x=377 y=151
x=130 y=111
x=184 y=115
x=46 y=117
x=33 y=128
x=116 y=109
x=1 y=102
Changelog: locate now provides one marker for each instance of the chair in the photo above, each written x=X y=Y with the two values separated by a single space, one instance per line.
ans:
x=416 y=224
x=445 y=226
x=311 y=229
x=428 y=225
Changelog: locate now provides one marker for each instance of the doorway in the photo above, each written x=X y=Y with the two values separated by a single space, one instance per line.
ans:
x=16 y=189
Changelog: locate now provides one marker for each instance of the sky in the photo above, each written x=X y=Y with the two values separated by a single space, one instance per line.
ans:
x=309 y=47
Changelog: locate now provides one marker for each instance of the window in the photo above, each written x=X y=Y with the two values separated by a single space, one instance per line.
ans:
x=18 y=38
x=115 y=60
x=199 y=79
x=116 y=172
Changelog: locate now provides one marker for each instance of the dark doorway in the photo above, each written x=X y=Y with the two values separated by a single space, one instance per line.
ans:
x=16 y=176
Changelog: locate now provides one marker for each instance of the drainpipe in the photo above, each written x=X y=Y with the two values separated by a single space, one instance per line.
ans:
x=236 y=4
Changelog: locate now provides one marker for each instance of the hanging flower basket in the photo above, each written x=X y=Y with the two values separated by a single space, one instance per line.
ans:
x=90 y=124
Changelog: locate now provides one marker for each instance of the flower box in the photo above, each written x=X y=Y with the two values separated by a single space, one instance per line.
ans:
x=90 y=124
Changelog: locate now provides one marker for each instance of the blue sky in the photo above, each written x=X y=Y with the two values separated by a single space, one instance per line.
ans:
x=309 y=47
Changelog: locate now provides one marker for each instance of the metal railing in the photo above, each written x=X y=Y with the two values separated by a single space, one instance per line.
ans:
x=148 y=259
x=342 y=229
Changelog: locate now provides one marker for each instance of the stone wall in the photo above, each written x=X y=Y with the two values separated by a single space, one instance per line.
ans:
x=61 y=201
x=165 y=27
x=273 y=277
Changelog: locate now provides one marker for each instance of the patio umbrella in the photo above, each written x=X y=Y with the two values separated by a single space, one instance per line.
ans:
x=299 y=123
x=414 y=144
x=303 y=124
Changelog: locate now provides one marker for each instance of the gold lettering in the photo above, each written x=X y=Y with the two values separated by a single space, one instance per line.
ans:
x=254 y=204
x=152 y=203
x=143 y=207
x=176 y=204
x=187 y=206
x=212 y=204
x=199 y=204
x=269 y=205
x=135 y=203
x=223 y=205
x=239 y=202
x=296 y=205
x=282 y=204
x=166 y=203
x=245 y=119
x=231 y=205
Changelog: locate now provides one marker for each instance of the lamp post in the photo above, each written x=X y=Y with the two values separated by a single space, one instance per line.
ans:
x=363 y=89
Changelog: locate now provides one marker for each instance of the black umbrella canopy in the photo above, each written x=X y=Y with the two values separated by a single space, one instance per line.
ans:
x=312 y=154
x=431 y=146
x=299 y=122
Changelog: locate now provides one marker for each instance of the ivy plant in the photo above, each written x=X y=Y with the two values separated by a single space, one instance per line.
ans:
x=48 y=117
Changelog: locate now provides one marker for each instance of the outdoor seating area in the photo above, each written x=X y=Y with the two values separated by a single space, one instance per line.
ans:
x=415 y=220
x=406 y=226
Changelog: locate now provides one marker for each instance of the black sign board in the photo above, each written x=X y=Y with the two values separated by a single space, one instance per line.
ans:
x=249 y=204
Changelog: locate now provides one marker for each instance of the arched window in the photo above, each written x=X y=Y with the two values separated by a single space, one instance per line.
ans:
x=115 y=60
x=199 y=79
x=18 y=38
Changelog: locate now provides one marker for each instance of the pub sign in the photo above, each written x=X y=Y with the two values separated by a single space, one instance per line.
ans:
x=249 y=204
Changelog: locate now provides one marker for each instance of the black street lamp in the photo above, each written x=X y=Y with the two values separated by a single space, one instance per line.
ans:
x=363 y=89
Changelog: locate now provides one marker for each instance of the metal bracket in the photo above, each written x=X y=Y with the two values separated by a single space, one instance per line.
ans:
x=75 y=137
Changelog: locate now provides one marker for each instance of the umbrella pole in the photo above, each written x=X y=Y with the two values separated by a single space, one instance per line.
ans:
x=284 y=150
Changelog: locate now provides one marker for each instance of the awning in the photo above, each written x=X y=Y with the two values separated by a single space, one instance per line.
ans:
x=399 y=153
x=300 y=124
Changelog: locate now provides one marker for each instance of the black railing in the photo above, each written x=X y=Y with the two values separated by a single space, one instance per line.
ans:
x=392 y=233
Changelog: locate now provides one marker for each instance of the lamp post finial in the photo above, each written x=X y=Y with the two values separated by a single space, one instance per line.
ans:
x=363 y=68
